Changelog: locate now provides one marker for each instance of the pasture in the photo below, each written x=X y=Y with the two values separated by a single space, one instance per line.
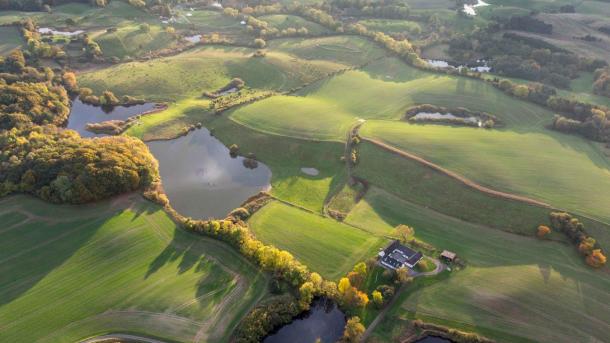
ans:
x=285 y=21
x=128 y=262
x=324 y=245
x=191 y=73
x=382 y=90
x=132 y=41
x=10 y=38
x=510 y=287
x=504 y=160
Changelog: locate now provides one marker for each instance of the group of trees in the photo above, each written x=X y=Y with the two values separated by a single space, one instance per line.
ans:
x=390 y=9
x=601 y=85
x=43 y=5
x=522 y=57
x=575 y=231
x=57 y=165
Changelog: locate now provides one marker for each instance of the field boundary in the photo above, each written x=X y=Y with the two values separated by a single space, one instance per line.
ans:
x=465 y=181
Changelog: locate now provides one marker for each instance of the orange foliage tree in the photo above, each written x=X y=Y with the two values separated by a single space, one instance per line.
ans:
x=543 y=230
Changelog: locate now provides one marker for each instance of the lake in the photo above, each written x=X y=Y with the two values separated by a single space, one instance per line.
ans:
x=81 y=114
x=201 y=179
x=324 y=320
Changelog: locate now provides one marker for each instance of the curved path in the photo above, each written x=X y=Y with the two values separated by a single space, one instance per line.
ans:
x=121 y=337
x=456 y=176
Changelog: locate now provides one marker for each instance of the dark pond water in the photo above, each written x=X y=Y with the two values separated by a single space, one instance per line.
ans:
x=201 y=179
x=434 y=339
x=81 y=114
x=324 y=320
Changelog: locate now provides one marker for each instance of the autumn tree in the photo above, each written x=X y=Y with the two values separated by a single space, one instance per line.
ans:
x=260 y=43
x=377 y=298
x=402 y=275
x=543 y=230
x=354 y=330
x=596 y=258
x=306 y=294
x=404 y=232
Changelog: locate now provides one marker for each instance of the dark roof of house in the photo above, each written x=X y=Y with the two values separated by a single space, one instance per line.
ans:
x=397 y=255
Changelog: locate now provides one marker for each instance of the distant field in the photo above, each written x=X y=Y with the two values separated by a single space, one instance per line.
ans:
x=504 y=160
x=10 y=38
x=513 y=287
x=324 y=245
x=285 y=21
x=128 y=262
x=347 y=50
x=131 y=41
x=191 y=73
x=391 y=25
x=382 y=90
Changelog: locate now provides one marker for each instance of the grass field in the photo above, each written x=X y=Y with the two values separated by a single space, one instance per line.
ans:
x=128 y=262
x=504 y=160
x=412 y=181
x=191 y=73
x=382 y=90
x=285 y=21
x=131 y=41
x=324 y=245
x=10 y=38
x=391 y=25
x=510 y=287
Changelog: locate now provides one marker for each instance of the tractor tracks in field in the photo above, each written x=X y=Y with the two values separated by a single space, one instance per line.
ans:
x=465 y=181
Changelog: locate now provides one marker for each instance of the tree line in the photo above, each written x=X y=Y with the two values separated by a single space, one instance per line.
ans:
x=574 y=229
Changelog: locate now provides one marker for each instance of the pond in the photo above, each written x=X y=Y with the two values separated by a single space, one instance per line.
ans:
x=471 y=9
x=82 y=114
x=445 y=116
x=434 y=339
x=480 y=66
x=201 y=179
x=50 y=31
x=324 y=320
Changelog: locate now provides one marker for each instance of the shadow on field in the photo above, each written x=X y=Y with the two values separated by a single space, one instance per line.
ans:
x=35 y=248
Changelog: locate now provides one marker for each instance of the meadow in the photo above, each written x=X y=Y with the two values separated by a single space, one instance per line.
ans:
x=191 y=73
x=382 y=90
x=285 y=21
x=127 y=260
x=576 y=169
x=326 y=246
x=509 y=288
x=10 y=38
x=132 y=41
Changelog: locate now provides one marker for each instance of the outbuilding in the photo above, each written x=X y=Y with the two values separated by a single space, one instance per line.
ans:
x=448 y=256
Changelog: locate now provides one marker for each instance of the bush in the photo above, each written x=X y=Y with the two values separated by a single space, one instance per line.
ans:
x=543 y=231
x=260 y=43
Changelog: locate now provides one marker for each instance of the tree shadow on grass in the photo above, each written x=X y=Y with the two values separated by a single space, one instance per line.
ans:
x=31 y=251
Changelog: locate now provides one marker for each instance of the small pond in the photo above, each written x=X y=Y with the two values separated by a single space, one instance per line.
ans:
x=324 y=320
x=310 y=171
x=434 y=339
x=193 y=39
x=471 y=9
x=81 y=114
x=480 y=66
x=50 y=31
x=201 y=179
x=444 y=116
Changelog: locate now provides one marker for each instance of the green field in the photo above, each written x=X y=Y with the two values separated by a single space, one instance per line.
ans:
x=131 y=41
x=191 y=73
x=324 y=245
x=10 y=38
x=68 y=273
x=285 y=21
x=382 y=90
x=513 y=287
x=391 y=25
x=576 y=171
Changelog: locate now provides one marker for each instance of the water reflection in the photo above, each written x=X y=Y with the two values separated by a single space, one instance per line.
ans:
x=81 y=114
x=324 y=320
x=200 y=178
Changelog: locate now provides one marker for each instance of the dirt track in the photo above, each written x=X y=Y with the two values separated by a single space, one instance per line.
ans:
x=456 y=176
